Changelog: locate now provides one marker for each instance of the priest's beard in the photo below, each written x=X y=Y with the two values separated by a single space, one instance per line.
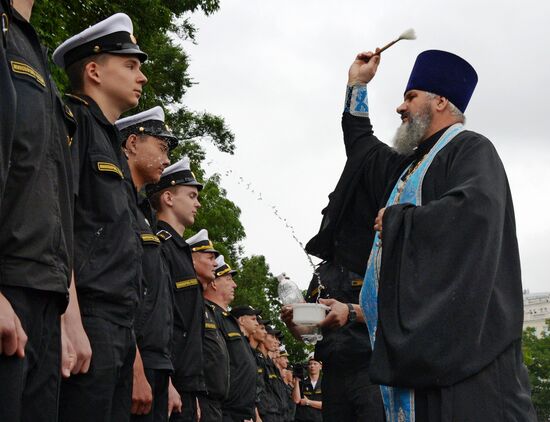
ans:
x=410 y=134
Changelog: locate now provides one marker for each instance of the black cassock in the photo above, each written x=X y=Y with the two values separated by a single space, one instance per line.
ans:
x=450 y=296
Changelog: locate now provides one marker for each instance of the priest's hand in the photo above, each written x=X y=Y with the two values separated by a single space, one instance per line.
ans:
x=378 y=222
x=337 y=316
x=363 y=68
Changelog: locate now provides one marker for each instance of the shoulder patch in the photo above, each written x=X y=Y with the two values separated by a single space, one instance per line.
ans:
x=25 y=69
x=316 y=291
x=149 y=238
x=233 y=334
x=77 y=99
x=357 y=282
x=109 y=167
x=186 y=283
x=210 y=325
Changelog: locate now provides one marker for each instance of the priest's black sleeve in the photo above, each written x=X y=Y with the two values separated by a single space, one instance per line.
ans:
x=346 y=232
x=450 y=296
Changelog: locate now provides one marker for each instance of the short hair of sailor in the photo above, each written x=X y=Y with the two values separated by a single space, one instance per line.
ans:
x=75 y=71
x=155 y=200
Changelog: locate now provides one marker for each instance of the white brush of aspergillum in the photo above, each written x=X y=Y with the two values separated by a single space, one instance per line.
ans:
x=409 y=34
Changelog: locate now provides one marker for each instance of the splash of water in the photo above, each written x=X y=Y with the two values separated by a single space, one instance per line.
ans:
x=249 y=187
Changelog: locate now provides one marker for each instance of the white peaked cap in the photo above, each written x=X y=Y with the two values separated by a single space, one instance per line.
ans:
x=155 y=113
x=220 y=261
x=181 y=165
x=201 y=243
x=119 y=22
x=178 y=173
x=222 y=268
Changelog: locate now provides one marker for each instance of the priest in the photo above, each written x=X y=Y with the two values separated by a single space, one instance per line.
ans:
x=442 y=295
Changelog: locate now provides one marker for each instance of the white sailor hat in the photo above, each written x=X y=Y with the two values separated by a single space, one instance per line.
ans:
x=222 y=268
x=148 y=122
x=177 y=174
x=201 y=243
x=113 y=35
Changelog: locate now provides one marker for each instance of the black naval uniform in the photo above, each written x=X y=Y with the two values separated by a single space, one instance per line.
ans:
x=345 y=352
x=272 y=403
x=36 y=214
x=107 y=268
x=154 y=319
x=261 y=400
x=290 y=405
x=216 y=367
x=308 y=391
x=241 y=401
x=188 y=334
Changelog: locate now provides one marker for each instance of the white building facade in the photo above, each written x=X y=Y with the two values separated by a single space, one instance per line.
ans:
x=536 y=310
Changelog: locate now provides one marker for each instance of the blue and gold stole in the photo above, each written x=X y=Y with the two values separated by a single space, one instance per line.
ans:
x=398 y=402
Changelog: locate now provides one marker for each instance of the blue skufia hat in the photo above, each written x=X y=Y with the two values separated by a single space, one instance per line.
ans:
x=445 y=74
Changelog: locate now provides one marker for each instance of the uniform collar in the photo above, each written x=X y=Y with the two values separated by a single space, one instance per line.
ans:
x=96 y=111
x=180 y=241
x=223 y=311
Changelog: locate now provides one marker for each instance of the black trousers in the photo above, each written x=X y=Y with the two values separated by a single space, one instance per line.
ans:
x=29 y=386
x=189 y=409
x=348 y=395
x=211 y=410
x=228 y=417
x=105 y=392
x=158 y=380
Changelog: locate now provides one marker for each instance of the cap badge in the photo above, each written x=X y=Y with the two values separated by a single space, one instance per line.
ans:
x=133 y=39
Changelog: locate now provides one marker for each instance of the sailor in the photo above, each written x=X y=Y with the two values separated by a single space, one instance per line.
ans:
x=36 y=221
x=216 y=356
x=146 y=143
x=240 y=404
x=176 y=199
x=103 y=64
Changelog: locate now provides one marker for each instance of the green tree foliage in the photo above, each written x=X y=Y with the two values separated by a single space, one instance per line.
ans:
x=536 y=355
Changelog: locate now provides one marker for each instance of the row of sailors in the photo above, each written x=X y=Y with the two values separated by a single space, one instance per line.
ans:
x=134 y=317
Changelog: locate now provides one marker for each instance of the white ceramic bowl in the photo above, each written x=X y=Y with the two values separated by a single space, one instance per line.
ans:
x=309 y=313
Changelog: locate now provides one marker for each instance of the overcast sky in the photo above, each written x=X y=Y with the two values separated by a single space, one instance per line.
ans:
x=277 y=70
